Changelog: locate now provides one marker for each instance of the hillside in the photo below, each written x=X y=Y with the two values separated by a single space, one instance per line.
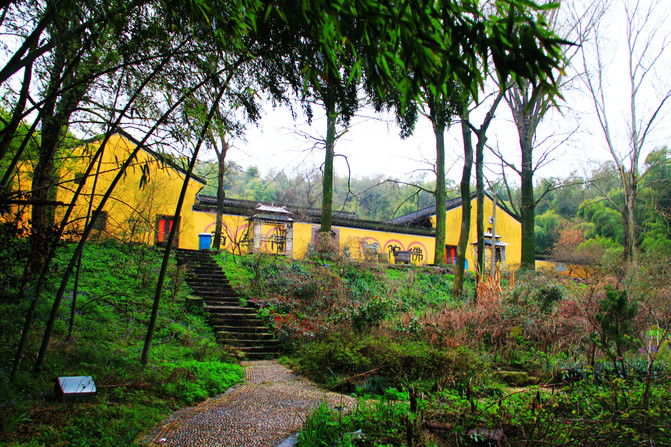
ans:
x=100 y=332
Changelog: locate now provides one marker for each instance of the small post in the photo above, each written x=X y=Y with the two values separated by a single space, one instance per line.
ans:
x=493 y=256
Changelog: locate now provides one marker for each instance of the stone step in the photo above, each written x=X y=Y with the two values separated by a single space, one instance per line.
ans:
x=235 y=325
x=207 y=276
x=195 y=274
x=214 y=300
x=248 y=343
x=235 y=320
x=227 y=301
x=232 y=303
x=202 y=269
x=199 y=265
x=213 y=288
x=242 y=330
x=224 y=301
x=197 y=262
x=238 y=323
x=231 y=310
x=210 y=284
x=232 y=332
x=257 y=351
x=215 y=293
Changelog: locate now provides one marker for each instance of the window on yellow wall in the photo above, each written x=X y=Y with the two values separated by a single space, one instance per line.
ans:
x=163 y=226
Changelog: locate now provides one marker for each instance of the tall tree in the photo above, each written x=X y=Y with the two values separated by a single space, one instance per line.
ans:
x=339 y=97
x=440 y=104
x=529 y=102
x=443 y=105
x=648 y=94
x=465 y=188
x=481 y=135
x=519 y=35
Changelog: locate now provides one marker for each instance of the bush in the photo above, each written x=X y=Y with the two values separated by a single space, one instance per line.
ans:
x=192 y=381
x=355 y=359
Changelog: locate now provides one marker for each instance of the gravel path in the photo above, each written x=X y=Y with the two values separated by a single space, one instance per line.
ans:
x=267 y=409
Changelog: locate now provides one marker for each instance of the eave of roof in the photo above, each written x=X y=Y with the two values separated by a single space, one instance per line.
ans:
x=247 y=208
x=450 y=204
x=207 y=203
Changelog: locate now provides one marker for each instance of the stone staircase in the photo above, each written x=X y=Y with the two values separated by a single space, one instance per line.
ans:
x=235 y=325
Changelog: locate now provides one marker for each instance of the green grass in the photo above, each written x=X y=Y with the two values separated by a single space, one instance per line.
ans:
x=580 y=413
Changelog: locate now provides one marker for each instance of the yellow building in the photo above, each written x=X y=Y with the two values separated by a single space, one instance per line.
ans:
x=142 y=209
x=250 y=227
x=508 y=231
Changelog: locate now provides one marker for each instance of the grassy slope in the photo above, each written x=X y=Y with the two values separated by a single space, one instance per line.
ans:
x=112 y=308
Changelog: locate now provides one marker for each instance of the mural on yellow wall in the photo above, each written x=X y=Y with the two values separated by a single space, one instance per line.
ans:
x=356 y=243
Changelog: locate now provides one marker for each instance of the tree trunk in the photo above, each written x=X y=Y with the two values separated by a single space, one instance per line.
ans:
x=492 y=256
x=527 y=204
x=43 y=188
x=56 y=114
x=144 y=358
x=439 y=131
x=465 y=188
x=480 y=183
x=480 y=191
x=327 y=180
x=221 y=194
x=629 y=222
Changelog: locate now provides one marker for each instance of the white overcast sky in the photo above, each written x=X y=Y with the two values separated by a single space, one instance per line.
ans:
x=373 y=147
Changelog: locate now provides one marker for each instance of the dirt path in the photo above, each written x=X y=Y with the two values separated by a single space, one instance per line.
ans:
x=266 y=409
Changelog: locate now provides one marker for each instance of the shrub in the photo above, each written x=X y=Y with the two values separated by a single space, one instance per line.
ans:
x=372 y=313
x=356 y=359
x=192 y=381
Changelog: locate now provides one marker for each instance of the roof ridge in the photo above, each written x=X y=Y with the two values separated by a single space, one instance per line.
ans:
x=158 y=156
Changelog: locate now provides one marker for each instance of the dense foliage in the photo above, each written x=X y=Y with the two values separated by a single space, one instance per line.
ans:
x=535 y=357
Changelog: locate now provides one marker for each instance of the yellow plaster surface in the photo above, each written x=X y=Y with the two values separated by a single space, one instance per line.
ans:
x=133 y=210
x=507 y=227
